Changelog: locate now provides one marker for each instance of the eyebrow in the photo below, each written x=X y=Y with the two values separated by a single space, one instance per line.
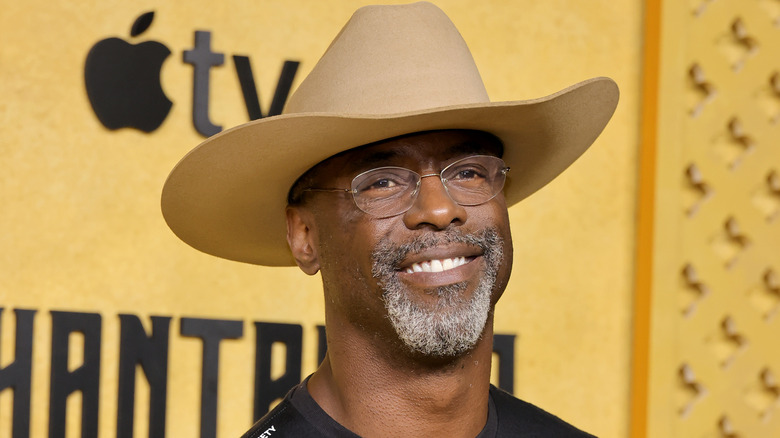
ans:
x=464 y=148
x=376 y=158
x=470 y=147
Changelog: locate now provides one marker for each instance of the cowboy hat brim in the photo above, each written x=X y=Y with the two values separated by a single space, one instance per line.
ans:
x=227 y=197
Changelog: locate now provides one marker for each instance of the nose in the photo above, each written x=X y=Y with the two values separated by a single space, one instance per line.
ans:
x=434 y=207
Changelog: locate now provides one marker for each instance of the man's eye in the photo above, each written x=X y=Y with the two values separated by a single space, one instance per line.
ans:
x=380 y=185
x=466 y=174
x=384 y=183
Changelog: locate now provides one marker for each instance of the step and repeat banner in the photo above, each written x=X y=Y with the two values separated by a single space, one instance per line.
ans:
x=111 y=326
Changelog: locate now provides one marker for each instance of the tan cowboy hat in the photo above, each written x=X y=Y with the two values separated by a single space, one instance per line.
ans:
x=392 y=70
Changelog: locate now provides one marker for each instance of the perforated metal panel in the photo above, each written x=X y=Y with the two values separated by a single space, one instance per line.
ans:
x=715 y=331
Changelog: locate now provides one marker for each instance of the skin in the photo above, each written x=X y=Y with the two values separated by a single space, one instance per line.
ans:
x=370 y=382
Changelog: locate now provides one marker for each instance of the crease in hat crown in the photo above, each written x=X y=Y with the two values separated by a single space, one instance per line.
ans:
x=392 y=59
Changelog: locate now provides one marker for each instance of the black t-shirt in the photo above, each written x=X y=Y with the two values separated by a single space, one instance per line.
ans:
x=298 y=415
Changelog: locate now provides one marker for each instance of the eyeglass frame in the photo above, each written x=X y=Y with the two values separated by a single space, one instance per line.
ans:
x=503 y=170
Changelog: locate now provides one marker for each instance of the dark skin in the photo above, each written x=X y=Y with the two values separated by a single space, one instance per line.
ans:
x=370 y=382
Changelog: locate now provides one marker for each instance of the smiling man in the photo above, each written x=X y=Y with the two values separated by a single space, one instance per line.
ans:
x=390 y=173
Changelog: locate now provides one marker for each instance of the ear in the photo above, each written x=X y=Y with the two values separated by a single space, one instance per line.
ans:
x=302 y=239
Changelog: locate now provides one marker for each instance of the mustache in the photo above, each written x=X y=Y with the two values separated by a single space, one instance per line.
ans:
x=387 y=256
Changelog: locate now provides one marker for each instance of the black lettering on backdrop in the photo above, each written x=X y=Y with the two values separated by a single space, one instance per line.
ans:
x=85 y=378
x=504 y=347
x=18 y=374
x=249 y=90
x=151 y=353
x=212 y=332
x=202 y=59
x=283 y=86
x=266 y=389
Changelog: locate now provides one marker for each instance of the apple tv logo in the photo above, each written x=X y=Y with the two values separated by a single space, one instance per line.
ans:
x=123 y=81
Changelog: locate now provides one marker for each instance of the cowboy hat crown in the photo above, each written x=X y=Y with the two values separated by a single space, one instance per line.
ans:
x=392 y=60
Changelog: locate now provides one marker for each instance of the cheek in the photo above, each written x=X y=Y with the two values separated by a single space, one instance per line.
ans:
x=345 y=246
x=506 y=233
x=506 y=268
x=497 y=216
x=350 y=290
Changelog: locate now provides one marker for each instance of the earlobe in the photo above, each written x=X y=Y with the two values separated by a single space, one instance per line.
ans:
x=302 y=240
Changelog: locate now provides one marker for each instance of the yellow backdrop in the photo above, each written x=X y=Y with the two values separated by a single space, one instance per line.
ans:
x=708 y=292
x=82 y=229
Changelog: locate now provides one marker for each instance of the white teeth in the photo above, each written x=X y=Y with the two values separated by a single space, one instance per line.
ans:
x=436 y=265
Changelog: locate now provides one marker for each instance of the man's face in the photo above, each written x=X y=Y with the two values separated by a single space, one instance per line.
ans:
x=376 y=270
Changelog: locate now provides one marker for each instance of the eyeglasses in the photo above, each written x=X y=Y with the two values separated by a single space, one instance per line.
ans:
x=389 y=191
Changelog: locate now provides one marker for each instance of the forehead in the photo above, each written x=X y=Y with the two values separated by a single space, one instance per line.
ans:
x=409 y=150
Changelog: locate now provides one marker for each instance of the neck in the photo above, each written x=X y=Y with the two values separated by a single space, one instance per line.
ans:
x=377 y=391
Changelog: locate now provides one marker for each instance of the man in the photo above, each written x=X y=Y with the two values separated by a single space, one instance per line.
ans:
x=389 y=173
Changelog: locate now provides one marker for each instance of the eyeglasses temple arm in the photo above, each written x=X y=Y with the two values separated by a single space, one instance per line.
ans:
x=312 y=189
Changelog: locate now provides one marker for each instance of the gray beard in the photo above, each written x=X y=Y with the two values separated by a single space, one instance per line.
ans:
x=453 y=325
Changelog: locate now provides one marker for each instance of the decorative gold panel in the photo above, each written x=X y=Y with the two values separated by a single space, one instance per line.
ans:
x=714 y=344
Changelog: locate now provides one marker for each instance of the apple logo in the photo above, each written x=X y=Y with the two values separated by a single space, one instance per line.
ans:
x=123 y=80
